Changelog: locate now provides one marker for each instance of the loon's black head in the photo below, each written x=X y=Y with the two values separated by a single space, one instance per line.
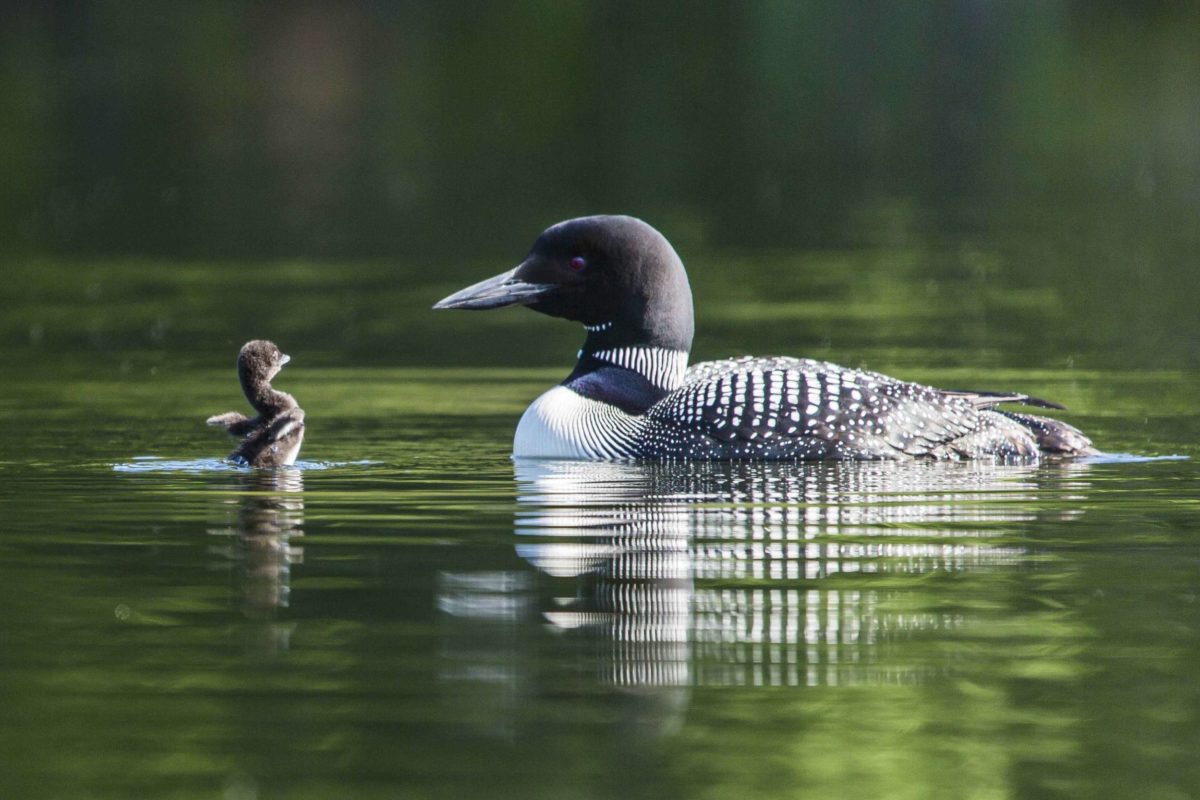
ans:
x=616 y=275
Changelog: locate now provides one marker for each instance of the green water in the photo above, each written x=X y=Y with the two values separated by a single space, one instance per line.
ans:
x=412 y=614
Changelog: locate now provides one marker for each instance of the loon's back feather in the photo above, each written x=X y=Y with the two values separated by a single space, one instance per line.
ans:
x=794 y=408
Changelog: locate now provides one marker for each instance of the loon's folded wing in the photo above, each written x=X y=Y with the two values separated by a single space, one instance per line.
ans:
x=789 y=407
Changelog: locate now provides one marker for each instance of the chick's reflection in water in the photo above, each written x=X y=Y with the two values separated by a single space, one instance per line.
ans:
x=265 y=516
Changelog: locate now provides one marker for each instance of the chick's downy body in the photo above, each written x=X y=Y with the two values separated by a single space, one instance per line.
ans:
x=273 y=437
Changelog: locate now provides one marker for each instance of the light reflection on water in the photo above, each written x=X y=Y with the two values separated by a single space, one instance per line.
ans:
x=200 y=466
x=754 y=574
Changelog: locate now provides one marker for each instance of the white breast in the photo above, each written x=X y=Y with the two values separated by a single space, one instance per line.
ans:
x=563 y=424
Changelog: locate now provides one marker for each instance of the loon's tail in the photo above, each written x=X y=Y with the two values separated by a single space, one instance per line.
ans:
x=1053 y=436
x=989 y=399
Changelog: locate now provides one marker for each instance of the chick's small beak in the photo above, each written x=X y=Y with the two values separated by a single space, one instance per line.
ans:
x=500 y=291
x=284 y=358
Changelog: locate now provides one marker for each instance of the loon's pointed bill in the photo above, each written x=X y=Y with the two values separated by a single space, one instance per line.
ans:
x=500 y=291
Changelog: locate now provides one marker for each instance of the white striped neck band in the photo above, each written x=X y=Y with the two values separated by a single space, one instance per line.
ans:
x=662 y=367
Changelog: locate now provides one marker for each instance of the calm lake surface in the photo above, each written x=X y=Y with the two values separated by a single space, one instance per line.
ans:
x=410 y=613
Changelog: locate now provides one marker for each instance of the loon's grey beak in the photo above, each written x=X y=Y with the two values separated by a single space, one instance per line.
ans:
x=284 y=358
x=498 y=292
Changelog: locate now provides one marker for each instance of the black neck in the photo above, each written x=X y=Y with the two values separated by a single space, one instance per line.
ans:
x=624 y=388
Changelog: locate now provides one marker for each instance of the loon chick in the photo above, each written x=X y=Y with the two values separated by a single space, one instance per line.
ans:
x=632 y=395
x=272 y=439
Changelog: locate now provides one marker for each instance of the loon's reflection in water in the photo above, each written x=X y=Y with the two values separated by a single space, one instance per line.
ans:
x=659 y=578
x=262 y=518
x=746 y=574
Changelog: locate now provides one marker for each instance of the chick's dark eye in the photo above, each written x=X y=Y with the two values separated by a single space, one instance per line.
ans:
x=578 y=263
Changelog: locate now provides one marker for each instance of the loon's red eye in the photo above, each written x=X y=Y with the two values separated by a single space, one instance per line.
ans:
x=578 y=263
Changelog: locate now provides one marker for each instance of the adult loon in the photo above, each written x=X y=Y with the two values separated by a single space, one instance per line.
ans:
x=273 y=438
x=632 y=395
